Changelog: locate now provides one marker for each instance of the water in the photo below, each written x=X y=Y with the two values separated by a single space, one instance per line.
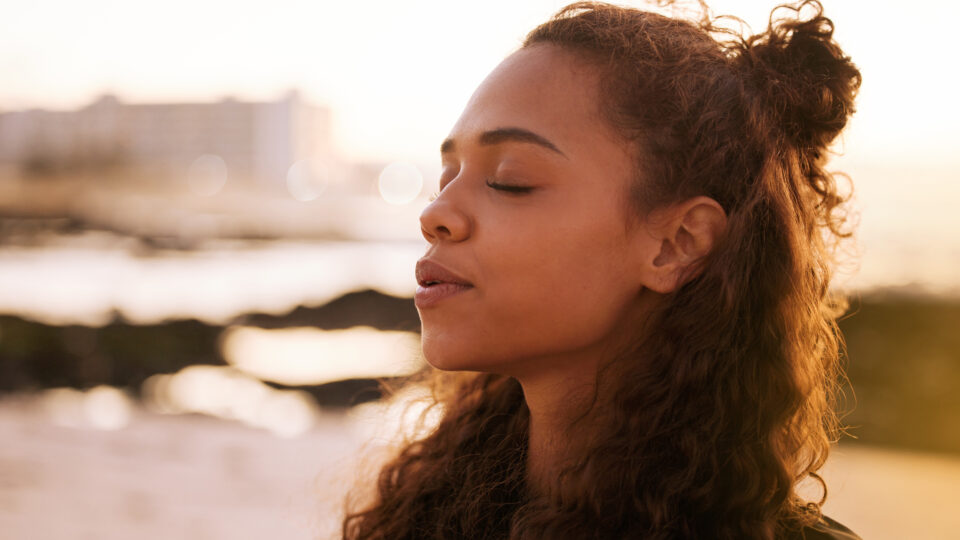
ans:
x=82 y=281
x=86 y=279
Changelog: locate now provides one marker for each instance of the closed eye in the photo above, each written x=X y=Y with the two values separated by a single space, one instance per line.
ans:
x=509 y=188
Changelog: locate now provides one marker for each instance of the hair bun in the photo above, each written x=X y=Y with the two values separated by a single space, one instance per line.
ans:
x=802 y=76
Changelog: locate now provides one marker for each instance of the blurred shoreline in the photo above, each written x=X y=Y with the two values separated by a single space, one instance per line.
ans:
x=136 y=319
x=162 y=211
x=119 y=309
x=903 y=358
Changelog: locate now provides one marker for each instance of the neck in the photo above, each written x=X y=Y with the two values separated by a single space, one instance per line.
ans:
x=560 y=393
x=556 y=400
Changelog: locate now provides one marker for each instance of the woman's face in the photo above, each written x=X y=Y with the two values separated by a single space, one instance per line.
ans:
x=532 y=214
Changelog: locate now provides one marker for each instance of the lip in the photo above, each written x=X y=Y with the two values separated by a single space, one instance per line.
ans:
x=435 y=283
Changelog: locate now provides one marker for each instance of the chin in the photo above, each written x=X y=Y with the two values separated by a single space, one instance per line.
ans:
x=478 y=359
x=452 y=357
x=445 y=361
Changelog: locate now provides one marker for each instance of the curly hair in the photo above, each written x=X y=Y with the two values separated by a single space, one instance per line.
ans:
x=733 y=403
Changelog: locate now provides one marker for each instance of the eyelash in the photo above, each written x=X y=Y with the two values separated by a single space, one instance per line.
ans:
x=509 y=188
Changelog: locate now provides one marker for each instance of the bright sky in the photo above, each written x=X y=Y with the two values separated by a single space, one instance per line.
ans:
x=397 y=74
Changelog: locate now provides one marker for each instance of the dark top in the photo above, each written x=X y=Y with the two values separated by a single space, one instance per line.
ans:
x=826 y=529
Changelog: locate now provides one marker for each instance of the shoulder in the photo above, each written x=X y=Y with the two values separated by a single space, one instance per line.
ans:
x=825 y=529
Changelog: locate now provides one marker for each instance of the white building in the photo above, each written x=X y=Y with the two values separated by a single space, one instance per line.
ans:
x=257 y=141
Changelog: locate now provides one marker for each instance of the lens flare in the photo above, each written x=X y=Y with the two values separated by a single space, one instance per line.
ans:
x=207 y=175
x=307 y=179
x=400 y=183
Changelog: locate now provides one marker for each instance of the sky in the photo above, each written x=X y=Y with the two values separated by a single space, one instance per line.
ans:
x=397 y=74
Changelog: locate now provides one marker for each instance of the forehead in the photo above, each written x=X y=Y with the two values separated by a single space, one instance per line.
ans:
x=544 y=89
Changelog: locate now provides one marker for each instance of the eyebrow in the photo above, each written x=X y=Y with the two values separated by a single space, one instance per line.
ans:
x=506 y=134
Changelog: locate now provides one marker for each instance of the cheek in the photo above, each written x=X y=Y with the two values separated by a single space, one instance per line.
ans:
x=580 y=266
x=558 y=291
x=569 y=303
x=553 y=288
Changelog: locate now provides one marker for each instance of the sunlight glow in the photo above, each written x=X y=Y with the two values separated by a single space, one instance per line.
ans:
x=88 y=285
x=103 y=408
x=408 y=414
x=309 y=356
x=224 y=392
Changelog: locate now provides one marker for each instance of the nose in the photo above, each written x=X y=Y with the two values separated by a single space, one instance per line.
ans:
x=444 y=220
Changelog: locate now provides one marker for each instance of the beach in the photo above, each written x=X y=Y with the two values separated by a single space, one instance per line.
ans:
x=197 y=477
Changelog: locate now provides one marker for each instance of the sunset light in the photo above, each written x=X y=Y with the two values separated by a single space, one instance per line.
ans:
x=212 y=213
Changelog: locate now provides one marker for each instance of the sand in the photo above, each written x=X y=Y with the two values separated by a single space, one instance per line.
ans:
x=195 y=477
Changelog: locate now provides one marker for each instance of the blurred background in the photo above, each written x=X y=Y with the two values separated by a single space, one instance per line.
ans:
x=208 y=226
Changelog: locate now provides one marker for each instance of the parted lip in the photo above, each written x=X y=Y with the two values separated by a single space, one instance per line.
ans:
x=432 y=273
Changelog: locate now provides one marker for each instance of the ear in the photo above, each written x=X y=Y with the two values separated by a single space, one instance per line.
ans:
x=685 y=233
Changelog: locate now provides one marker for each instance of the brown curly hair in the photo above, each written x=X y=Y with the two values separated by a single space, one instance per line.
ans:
x=733 y=403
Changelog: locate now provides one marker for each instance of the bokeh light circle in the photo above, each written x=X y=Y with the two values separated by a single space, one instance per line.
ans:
x=307 y=179
x=107 y=408
x=207 y=175
x=400 y=183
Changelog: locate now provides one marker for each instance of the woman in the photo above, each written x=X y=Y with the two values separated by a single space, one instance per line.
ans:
x=626 y=290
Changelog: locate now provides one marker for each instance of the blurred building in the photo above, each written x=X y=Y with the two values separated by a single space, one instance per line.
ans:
x=259 y=141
